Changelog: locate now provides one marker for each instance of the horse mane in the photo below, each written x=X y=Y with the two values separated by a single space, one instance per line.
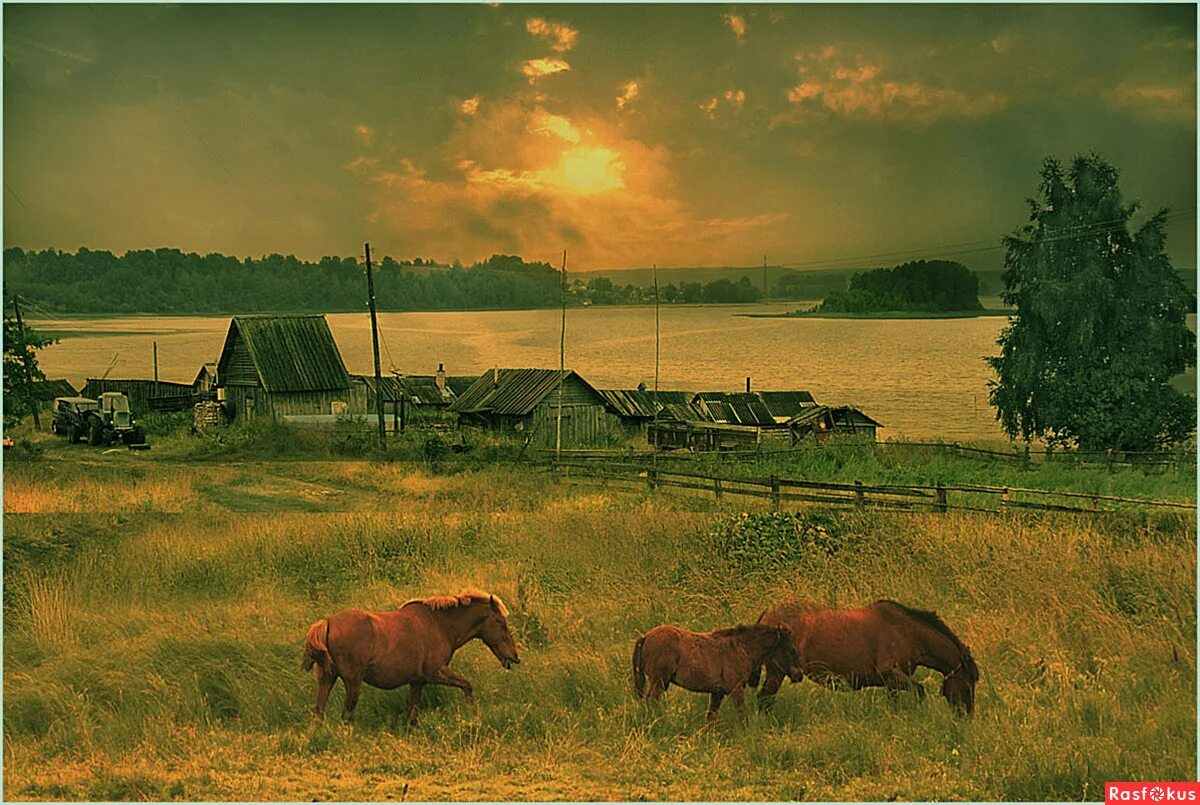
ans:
x=742 y=629
x=934 y=621
x=465 y=598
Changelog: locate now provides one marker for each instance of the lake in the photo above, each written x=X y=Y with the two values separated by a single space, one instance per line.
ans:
x=920 y=378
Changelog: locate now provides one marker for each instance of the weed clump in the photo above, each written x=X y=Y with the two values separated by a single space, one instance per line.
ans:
x=780 y=540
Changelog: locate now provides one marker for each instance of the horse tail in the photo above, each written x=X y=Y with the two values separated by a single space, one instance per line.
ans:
x=639 y=669
x=316 y=648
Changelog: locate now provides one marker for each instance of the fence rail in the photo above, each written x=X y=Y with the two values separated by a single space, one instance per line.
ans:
x=937 y=498
x=1109 y=458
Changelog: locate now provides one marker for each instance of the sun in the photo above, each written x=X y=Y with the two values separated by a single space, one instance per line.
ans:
x=588 y=169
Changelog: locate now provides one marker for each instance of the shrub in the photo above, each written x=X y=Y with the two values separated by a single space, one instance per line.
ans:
x=781 y=539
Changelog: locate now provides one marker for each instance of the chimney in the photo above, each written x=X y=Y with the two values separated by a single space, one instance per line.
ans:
x=495 y=377
x=747 y=385
x=440 y=379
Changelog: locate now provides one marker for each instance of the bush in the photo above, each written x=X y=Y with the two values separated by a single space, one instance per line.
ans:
x=780 y=539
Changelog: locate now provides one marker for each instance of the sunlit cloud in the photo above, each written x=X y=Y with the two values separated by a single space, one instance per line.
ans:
x=629 y=91
x=858 y=91
x=560 y=35
x=736 y=23
x=540 y=68
x=469 y=106
x=555 y=181
x=1155 y=100
x=546 y=123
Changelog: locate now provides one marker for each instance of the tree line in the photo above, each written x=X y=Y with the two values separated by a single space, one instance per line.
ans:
x=170 y=281
x=920 y=285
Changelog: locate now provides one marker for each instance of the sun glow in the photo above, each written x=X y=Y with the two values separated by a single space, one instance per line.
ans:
x=588 y=169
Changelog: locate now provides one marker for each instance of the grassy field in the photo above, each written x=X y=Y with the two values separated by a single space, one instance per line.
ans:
x=155 y=606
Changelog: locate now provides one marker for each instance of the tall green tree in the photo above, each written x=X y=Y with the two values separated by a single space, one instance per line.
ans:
x=1100 y=325
x=21 y=344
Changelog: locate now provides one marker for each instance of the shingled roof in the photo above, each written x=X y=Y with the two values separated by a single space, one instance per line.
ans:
x=513 y=392
x=290 y=353
x=45 y=390
x=639 y=403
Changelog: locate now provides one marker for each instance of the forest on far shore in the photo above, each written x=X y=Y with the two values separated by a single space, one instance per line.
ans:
x=169 y=281
x=934 y=286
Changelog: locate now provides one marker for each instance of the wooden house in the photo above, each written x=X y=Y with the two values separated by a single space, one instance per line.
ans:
x=276 y=366
x=635 y=408
x=525 y=402
x=822 y=422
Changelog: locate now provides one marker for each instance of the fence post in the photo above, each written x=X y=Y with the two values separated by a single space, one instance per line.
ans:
x=1004 y=501
x=941 y=498
x=717 y=488
x=774 y=493
x=652 y=479
x=860 y=497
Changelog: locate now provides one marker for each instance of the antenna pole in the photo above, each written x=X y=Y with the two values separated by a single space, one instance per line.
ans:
x=375 y=348
x=562 y=359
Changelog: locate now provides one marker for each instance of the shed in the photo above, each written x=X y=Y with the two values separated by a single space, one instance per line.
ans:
x=636 y=408
x=736 y=408
x=44 y=391
x=144 y=395
x=822 y=421
x=525 y=401
x=206 y=379
x=784 y=405
x=273 y=366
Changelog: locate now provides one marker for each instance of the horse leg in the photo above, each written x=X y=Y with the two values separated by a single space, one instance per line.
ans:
x=414 y=700
x=445 y=676
x=656 y=688
x=324 y=686
x=770 y=686
x=739 y=702
x=714 y=704
x=353 y=688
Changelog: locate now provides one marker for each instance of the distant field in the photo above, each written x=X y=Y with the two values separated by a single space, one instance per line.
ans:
x=155 y=605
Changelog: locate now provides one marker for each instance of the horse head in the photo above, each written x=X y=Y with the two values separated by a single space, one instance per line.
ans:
x=495 y=635
x=958 y=686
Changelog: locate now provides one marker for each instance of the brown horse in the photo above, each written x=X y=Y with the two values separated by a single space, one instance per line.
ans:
x=876 y=646
x=408 y=646
x=717 y=663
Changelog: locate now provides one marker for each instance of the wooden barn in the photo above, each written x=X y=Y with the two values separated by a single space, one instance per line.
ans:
x=635 y=408
x=276 y=366
x=144 y=395
x=525 y=402
x=823 y=421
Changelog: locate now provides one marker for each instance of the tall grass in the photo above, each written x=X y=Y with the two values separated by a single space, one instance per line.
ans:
x=157 y=656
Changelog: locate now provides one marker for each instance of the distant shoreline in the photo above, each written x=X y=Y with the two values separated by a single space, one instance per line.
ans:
x=884 y=314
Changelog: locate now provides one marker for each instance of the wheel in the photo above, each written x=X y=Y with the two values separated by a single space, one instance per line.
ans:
x=74 y=435
x=95 y=433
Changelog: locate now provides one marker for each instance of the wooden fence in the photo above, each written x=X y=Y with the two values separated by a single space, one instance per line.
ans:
x=1114 y=459
x=938 y=498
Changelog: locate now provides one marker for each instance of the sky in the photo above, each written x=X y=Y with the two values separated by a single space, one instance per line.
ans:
x=682 y=135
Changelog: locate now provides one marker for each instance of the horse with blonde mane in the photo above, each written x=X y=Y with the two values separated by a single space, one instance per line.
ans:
x=410 y=646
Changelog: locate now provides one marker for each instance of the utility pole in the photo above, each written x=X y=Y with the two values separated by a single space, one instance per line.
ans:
x=562 y=359
x=155 y=368
x=375 y=348
x=764 y=278
x=37 y=422
x=654 y=455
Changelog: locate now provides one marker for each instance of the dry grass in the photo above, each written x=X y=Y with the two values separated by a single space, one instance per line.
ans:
x=152 y=656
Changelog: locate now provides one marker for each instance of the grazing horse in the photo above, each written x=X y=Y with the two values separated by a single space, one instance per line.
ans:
x=717 y=663
x=411 y=646
x=876 y=646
